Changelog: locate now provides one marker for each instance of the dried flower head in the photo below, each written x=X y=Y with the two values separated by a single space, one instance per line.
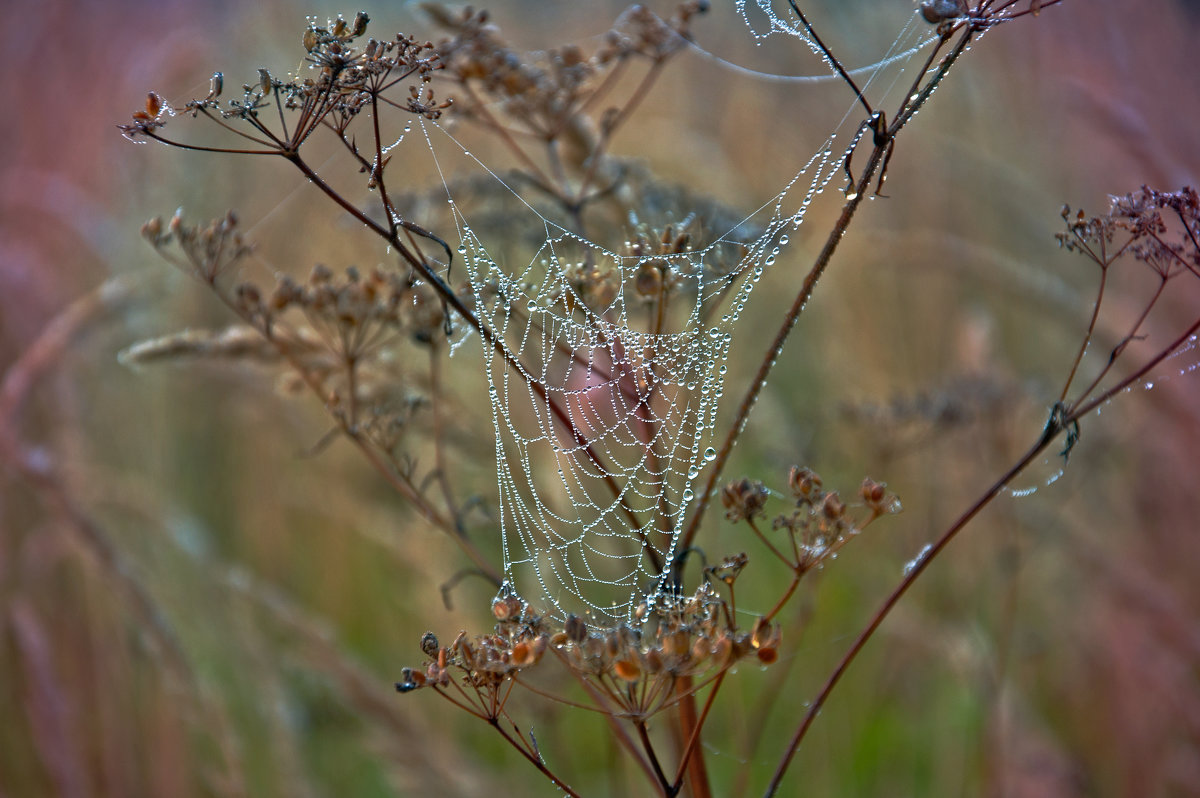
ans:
x=204 y=251
x=744 y=499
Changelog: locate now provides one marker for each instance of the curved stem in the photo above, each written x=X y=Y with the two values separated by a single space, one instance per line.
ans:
x=534 y=760
x=1053 y=427
x=1060 y=419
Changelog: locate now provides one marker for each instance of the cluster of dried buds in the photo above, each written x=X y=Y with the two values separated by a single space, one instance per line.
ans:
x=821 y=521
x=542 y=93
x=483 y=662
x=208 y=250
x=326 y=326
x=353 y=310
x=357 y=317
x=346 y=80
x=676 y=636
x=673 y=637
x=744 y=500
x=597 y=284
x=1159 y=228
x=348 y=76
x=548 y=95
x=641 y=32
x=151 y=118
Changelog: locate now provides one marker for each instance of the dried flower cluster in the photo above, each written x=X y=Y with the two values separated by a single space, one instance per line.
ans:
x=820 y=524
x=1159 y=228
x=348 y=80
x=208 y=251
x=561 y=100
x=631 y=670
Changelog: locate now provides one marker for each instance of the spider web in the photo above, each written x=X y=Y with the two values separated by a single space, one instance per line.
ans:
x=605 y=412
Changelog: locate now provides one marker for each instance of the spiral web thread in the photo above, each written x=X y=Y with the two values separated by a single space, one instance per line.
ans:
x=593 y=495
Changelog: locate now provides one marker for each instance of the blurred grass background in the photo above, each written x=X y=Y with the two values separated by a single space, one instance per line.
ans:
x=189 y=606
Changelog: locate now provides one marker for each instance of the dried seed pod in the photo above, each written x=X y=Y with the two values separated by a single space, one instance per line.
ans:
x=360 y=24
x=409 y=680
x=805 y=484
x=215 y=85
x=648 y=280
x=676 y=643
x=523 y=655
x=833 y=507
x=429 y=644
x=872 y=491
x=152 y=230
x=154 y=104
x=767 y=655
x=743 y=499
x=506 y=608
x=575 y=629
x=627 y=670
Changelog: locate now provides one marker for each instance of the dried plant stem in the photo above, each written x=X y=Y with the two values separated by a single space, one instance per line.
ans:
x=648 y=747
x=877 y=158
x=610 y=717
x=1053 y=427
x=639 y=94
x=399 y=481
x=1083 y=406
x=691 y=762
x=1061 y=419
x=1091 y=330
x=488 y=335
x=533 y=759
x=768 y=360
x=1120 y=347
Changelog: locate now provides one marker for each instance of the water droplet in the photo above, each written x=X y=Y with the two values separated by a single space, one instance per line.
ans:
x=688 y=495
x=710 y=453
x=915 y=561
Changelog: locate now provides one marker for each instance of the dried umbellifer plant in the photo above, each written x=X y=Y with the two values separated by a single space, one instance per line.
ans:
x=348 y=336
